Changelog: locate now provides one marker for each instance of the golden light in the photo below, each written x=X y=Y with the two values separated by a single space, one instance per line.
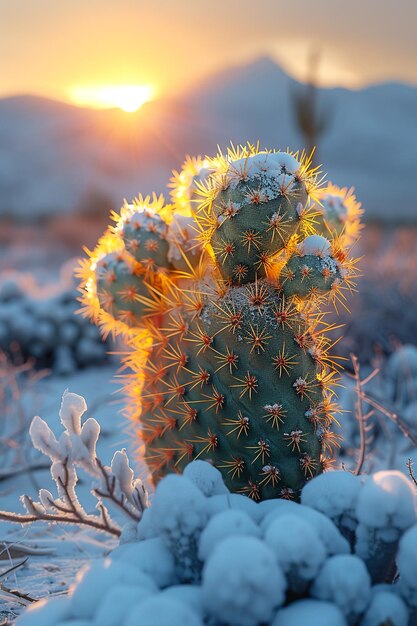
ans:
x=129 y=98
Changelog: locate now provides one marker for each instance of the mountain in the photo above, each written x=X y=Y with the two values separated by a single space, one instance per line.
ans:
x=55 y=157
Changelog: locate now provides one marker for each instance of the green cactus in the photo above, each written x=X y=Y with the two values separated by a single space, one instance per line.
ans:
x=233 y=367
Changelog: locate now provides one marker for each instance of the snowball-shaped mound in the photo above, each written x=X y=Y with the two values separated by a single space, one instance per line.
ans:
x=315 y=245
x=296 y=546
x=345 y=581
x=190 y=595
x=94 y=581
x=228 y=523
x=162 y=610
x=327 y=531
x=222 y=502
x=118 y=603
x=386 y=607
x=206 y=477
x=335 y=494
x=387 y=500
x=407 y=566
x=145 y=530
x=151 y=557
x=242 y=583
x=46 y=613
x=179 y=508
x=310 y=613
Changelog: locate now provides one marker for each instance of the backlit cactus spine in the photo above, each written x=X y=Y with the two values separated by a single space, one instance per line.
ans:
x=229 y=355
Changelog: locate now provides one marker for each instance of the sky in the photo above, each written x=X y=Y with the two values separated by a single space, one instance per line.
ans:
x=48 y=47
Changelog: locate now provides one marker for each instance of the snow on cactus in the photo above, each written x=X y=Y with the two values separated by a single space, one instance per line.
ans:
x=385 y=509
x=335 y=494
x=228 y=364
x=298 y=550
x=344 y=580
x=338 y=213
x=407 y=567
x=242 y=583
x=386 y=607
x=178 y=514
x=311 y=612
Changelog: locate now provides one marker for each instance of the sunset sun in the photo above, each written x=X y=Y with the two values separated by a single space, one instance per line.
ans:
x=128 y=98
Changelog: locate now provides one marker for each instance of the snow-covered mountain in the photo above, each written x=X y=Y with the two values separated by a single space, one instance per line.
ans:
x=55 y=157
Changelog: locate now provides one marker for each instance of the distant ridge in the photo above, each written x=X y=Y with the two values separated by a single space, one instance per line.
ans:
x=55 y=157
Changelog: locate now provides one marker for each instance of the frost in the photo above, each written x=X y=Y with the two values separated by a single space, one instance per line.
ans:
x=297 y=548
x=242 y=583
x=76 y=447
x=231 y=522
x=345 y=581
x=182 y=237
x=315 y=245
x=310 y=613
x=386 y=607
x=206 y=477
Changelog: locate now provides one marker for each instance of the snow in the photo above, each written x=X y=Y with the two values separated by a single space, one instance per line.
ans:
x=163 y=611
x=407 y=566
x=46 y=613
x=326 y=530
x=335 y=494
x=387 y=500
x=315 y=245
x=385 y=607
x=334 y=205
x=296 y=546
x=311 y=613
x=98 y=579
x=345 y=581
x=206 y=477
x=152 y=557
x=182 y=235
x=275 y=171
x=242 y=583
x=231 y=522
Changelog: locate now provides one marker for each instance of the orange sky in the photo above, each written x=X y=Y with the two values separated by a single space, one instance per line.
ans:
x=49 y=46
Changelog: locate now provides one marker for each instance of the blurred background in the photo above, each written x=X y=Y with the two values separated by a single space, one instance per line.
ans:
x=100 y=100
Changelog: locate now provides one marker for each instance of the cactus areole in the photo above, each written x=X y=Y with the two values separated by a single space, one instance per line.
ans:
x=220 y=299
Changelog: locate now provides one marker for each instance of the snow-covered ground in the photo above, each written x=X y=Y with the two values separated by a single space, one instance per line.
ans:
x=66 y=548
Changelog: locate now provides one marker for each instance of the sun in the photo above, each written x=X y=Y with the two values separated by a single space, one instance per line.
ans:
x=128 y=98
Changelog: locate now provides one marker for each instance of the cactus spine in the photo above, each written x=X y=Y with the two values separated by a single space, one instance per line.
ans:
x=229 y=357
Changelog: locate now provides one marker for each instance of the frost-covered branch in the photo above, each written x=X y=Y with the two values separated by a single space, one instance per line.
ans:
x=76 y=447
x=364 y=427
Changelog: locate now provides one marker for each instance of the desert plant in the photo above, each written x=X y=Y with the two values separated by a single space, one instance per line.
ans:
x=228 y=346
x=41 y=321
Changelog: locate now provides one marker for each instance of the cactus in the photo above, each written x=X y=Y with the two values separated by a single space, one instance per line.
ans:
x=339 y=213
x=229 y=355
